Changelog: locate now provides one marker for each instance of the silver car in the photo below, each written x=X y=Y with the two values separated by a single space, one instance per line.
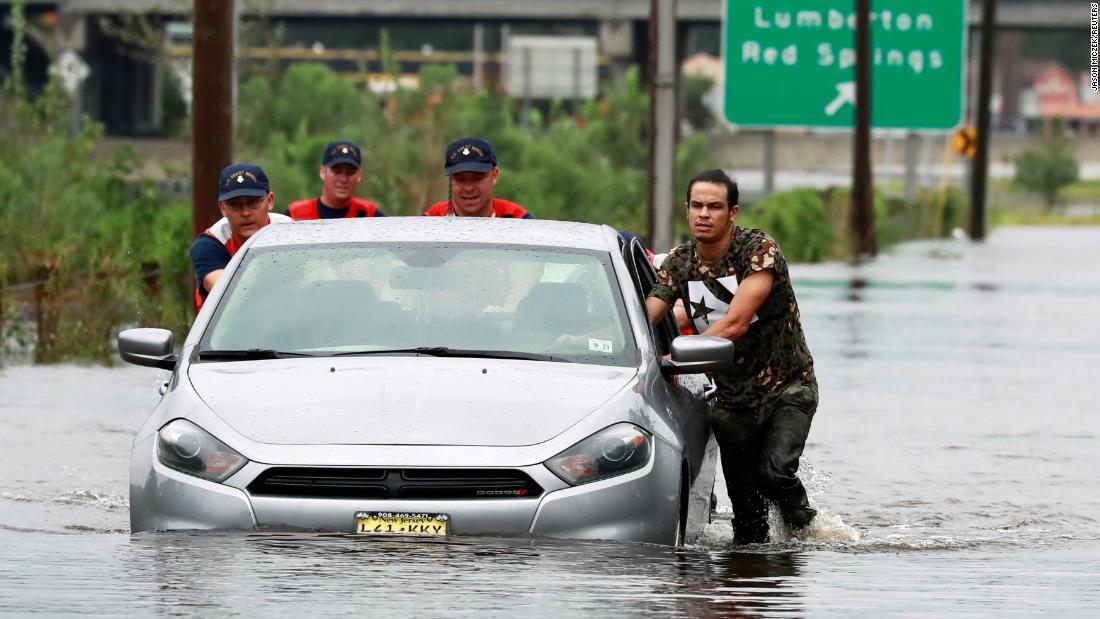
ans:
x=430 y=376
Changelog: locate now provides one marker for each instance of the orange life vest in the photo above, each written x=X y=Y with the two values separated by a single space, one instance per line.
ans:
x=501 y=208
x=307 y=209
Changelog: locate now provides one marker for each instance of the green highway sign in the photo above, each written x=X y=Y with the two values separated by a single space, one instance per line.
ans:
x=791 y=62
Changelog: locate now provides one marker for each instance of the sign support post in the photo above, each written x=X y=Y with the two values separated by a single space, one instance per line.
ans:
x=978 y=175
x=769 y=162
x=863 y=186
x=911 y=144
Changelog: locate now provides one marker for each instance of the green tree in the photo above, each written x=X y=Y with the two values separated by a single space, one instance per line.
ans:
x=1048 y=168
x=695 y=109
x=590 y=167
x=104 y=249
x=63 y=228
x=78 y=229
x=798 y=220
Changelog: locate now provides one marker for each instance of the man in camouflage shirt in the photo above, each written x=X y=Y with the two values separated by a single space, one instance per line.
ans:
x=734 y=283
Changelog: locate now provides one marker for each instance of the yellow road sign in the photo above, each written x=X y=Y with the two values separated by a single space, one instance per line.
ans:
x=966 y=141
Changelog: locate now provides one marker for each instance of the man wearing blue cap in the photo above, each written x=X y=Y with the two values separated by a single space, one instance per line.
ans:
x=245 y=200
x=471 y=165
x=341 y=171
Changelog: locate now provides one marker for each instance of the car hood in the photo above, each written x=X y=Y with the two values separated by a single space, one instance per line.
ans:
x=404 y=400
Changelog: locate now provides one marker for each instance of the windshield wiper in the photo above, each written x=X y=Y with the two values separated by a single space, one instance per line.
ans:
x=443 y=351
x=250 y=354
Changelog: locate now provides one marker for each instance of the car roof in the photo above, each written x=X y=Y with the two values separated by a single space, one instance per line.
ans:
x=537 y=232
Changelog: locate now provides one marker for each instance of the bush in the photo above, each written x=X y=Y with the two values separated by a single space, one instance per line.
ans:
x=934 y=214
x=174 y=107
x=591 y=167
x=696 y=111
x=71 y=224
x=1045 y=170
x=814 y=226
x=895 y=219
x=798 y=220
x=309 y=100
x=107 y=251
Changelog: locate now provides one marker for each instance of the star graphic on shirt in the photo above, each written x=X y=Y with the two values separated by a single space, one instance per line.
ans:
x=700 y=310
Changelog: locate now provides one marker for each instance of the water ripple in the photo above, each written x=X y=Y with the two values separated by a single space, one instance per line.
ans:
x=89 y=497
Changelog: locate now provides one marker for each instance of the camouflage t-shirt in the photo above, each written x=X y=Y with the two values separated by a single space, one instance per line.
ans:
x=772 y=355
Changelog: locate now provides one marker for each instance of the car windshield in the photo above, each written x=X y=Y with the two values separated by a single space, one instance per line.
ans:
x=463 y=299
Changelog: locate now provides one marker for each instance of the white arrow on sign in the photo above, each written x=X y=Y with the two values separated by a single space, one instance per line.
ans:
x=845 y=93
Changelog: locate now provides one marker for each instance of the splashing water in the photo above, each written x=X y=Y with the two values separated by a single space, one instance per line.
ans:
x=826 y=527
x=89 y=497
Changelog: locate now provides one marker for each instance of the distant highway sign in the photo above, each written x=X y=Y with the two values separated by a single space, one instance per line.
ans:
x=791 y=62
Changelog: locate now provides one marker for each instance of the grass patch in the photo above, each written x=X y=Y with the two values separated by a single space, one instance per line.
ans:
x=1081 y=191
x=1014 y=217
x=1011 y=205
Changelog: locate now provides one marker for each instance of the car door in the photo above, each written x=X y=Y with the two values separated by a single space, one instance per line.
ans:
x=691 y=395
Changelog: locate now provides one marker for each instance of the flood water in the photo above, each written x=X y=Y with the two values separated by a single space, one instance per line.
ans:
x=953 y=461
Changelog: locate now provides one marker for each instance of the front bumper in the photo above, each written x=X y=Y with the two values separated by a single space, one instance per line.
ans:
x=642 y=506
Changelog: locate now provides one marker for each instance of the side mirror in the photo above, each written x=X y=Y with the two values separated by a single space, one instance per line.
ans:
x=147 y=347
x=695 y=354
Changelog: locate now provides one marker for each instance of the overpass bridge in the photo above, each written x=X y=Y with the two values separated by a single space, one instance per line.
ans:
x=1016 y=14
x=422 y=31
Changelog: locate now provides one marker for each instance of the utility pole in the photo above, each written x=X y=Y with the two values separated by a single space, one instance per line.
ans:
x=211 y=108
x=478 y=77
x=662 y=149
x=978 y=174
x=863 y=193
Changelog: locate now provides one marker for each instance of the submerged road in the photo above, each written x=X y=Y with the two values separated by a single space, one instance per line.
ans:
x=952 y=458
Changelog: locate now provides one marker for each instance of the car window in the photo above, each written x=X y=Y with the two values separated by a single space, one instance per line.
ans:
x=645 y=277
x=344 y=298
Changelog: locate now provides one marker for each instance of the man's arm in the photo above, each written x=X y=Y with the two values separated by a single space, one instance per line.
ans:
x=656 y=308
x=211 y=279
x=682 y=320
x=751 y=294
x=667 y=289
x=209 y=259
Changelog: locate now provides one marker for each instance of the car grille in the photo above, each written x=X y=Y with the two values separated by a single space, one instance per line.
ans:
x=368 y=483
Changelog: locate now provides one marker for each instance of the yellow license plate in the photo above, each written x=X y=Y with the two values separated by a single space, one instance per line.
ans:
x=400 y=523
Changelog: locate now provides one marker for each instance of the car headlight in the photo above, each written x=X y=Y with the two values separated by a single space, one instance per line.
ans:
x=187 y=448
x=619 y=449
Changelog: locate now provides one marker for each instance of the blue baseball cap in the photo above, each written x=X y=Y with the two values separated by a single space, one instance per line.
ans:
x=469 y=155
x=342 y=151
x=242 y=179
